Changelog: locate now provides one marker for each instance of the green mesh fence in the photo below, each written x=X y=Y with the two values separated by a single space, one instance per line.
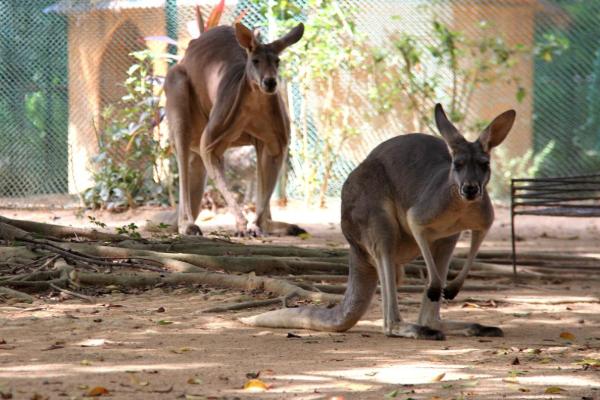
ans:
x=62 y=62
x=33 y=99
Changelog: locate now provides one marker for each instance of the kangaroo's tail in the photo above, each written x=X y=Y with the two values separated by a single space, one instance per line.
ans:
x=362 y=282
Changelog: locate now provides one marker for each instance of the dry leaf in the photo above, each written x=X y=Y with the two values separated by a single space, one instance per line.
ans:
x=592 y=362
x=97 y=391
x=194 y=397
x=181 y=350
x=255 y=385
x=554 y=390
x=470 y=305
x=524 y=390
x=194 y=381
x=567 y=336
x=438 y=378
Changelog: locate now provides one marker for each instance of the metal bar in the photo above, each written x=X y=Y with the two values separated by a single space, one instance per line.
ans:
x=512 y=230
x=563 y=178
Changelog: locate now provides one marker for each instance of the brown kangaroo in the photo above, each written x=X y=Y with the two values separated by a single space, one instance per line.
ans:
x=413 y=195
x=225 y=93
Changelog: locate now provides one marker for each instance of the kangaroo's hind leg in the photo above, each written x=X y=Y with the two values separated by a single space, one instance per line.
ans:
x=185 y=128
x=429 y=314
x=382 y=245
x=268 y=167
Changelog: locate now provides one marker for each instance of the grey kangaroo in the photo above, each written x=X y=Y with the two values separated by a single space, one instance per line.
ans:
x=413 y=195
x=225 y=93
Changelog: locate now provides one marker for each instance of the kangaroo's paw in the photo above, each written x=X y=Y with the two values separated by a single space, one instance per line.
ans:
x=451 y=291
x=482 y=330
x=254 y=231
x=413 y=331
x=190 y=230
x=278 y=228
x=295 y=230
x=434 y=293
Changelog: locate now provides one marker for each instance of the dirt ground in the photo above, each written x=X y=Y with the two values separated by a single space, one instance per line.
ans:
x=158 y=344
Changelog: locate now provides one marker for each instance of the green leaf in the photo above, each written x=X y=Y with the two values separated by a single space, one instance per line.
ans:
x=521 y=93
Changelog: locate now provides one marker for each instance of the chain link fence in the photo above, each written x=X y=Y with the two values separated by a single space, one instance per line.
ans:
x=63 y=61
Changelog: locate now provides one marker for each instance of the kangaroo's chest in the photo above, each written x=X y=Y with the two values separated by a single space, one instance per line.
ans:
x=452 y=221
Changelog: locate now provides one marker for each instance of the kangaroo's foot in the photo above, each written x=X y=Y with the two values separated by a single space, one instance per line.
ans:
x=252 y=231
x=469 y=329
x=413 y=331
x=190 y=229
x=482 y=330
x=278 y=228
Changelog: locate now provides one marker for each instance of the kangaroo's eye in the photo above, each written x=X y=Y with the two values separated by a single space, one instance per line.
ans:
x=277 y=62
x=484 y=164
x=458 y=164
x=255 y=61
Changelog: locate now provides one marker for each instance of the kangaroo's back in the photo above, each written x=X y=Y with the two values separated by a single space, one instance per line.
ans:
x=217 y=45
x=412 y=165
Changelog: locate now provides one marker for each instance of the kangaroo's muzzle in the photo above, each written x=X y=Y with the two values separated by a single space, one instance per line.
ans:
x=269 y=85
x=470 y=191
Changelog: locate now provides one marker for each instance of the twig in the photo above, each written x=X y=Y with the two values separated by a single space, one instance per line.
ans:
x=243 y=305
x=74 y=294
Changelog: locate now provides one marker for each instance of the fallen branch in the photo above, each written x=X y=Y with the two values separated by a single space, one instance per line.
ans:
x=244 y=282
x=61 y=231
x=15 y=294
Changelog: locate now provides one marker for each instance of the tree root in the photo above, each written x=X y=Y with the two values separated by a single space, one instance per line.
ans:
x=15 y=294
x=242 y=282
x=60 y=231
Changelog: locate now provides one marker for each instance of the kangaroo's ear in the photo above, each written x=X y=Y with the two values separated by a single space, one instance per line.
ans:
x=496 y=131
x=289 y=39
x=447 y=129
x=245 y=37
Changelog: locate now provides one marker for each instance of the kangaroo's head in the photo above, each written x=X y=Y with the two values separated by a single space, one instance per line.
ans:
x=263 y=59
x=470 y=169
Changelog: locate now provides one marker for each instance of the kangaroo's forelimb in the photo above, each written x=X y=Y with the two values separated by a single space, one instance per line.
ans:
x=453 y=287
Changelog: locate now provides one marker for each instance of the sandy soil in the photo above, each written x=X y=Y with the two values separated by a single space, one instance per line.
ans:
x=157 y=344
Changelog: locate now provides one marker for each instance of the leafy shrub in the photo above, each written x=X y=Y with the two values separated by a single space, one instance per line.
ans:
x=134 y=164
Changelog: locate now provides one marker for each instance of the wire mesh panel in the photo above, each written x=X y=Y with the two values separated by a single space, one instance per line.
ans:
x=33 y=99
x=62 y=62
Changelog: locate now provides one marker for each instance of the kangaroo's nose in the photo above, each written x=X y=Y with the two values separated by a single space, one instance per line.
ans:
x=470 y=190
x=270 y=84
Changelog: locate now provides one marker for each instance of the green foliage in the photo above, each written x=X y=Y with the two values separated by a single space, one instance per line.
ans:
x=508 y=167
x=133 y=166
x=130 y=230
x=325 y=65
x=551 y=45
x=409 y=76
x=97 y=222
